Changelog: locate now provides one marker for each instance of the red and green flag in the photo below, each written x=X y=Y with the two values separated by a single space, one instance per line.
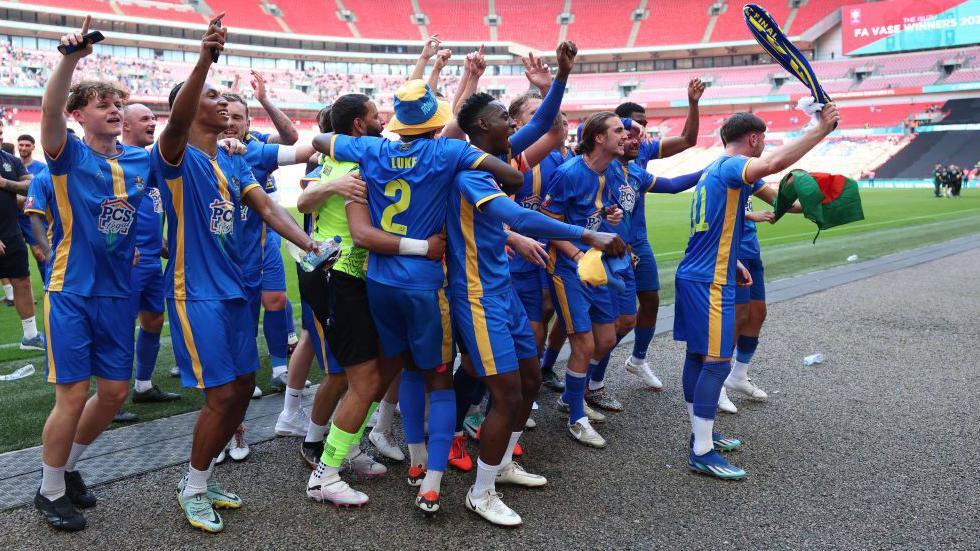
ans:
x=828 y=200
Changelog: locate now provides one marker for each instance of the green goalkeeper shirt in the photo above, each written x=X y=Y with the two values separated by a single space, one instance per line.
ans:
x=330 y=219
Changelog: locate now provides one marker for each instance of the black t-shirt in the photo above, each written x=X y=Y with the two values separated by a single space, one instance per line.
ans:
x=12 y=169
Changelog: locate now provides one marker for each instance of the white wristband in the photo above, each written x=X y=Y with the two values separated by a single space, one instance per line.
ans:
x=413 y=247
x=287 y=155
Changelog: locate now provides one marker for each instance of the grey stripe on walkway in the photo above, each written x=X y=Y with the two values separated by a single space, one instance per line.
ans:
x=136 y=449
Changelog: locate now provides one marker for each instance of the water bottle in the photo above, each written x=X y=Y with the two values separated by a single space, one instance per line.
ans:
x=326 y=252
x=813 y=359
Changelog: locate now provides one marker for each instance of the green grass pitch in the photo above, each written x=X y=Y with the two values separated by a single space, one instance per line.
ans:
x=895 y=220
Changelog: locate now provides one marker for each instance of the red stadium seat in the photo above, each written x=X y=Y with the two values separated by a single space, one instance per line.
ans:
x=601 y=24
x=674 y=23
x=316 y=17
x=392 y=19
x=245 y=14
x=531 y=24
x=457 y=19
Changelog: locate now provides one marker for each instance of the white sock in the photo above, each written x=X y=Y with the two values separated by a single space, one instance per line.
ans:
x=278 y=370
x=76 y=451
x=509 y=453
x=30 y=327
x=294 y=398
x=316 y=433
x=197 y=481
x=386 y=414
x=486 y=476
x=142 y=386
x=418 y=455
x=8 y=292
x=739 y=372
x=52 y=481
x=323 y=470
x=596 y=385
x=702 y=435
x=637 y=361
x=431 y=482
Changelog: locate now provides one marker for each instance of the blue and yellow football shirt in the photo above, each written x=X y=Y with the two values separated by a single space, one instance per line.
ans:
x=408 y=186
x=202 y=198
x=93 y=203
x=717 y=218
x=476 y=261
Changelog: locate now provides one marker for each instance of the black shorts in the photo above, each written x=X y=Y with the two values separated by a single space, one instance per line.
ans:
x=13 y=263
x=340 y=303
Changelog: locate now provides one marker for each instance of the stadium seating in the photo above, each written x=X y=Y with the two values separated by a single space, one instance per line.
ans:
x=296 y=14
x=674 y=23
x=245 y=14
x=389 y=20
x=814 y=11
x=601 y=24
x=456 y=19
x=731 y=23
x=530 y=24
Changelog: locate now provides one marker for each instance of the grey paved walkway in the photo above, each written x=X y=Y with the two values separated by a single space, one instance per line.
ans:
x=873 y=449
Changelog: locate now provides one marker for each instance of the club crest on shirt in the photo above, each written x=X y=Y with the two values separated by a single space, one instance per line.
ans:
x=627 y=197
x=222 y=217
x=532 y=202
x=140 y=184
x=7 y=167
x=594 y=220
x=154 y=195
x=29 y=202
x=116 y=216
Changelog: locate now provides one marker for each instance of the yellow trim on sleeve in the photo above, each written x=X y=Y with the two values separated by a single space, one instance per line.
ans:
x=744 y=168
x=28 y=211
x=487 y=198
x=477 y=162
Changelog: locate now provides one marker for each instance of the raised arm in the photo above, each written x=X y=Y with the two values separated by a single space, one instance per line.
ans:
x=173 y=139
x=781 y=158
x=689 y=136
x=544 y=117
x=366 y=236
x=532 y=223
x=54 y=128
x=473 y=68
x=286 y=132
x=429 y=50
x=442 y=59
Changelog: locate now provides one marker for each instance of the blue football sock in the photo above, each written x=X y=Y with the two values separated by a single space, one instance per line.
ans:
x=643 y=336
x=147 y=348
x=465 y=388
x=692 y=370
x=411 y=402
x=290 y=322
x=746 y=349
x=574 y=395
x=708 y=388
x=442 y=413
x=274 y=328
x=597 y=372
x=548 y=359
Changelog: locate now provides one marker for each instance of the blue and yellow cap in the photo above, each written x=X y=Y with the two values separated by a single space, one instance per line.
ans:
x=417 y=110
